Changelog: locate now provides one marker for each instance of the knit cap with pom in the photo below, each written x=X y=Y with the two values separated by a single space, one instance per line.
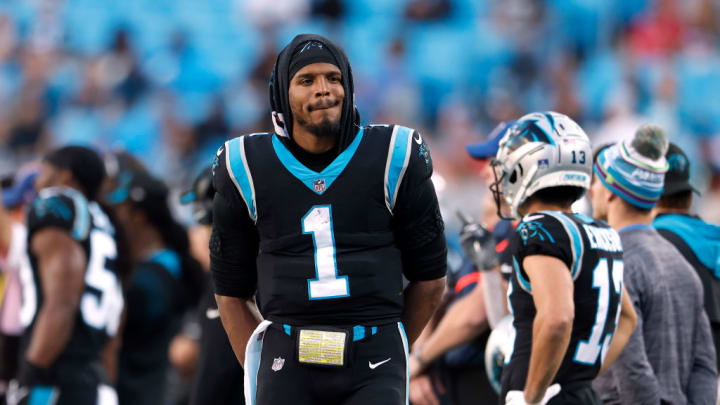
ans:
x=650 y=141
x=634 y=169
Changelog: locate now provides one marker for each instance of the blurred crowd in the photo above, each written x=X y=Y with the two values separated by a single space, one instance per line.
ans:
x=169 y=81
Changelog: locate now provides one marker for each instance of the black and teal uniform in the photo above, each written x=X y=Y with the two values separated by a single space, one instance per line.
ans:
x=592 y=252
x=154 y=312
x=77 y=376
x=324 y=240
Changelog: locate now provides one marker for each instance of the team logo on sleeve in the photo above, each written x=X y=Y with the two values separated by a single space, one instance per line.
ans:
x=423 y=149
x=424 y=153
x=533 y=229
x=319 y=185
x=278 y=364
x=216 y=159
x=53 y=206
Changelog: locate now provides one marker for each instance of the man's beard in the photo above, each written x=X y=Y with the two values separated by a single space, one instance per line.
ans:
x=323 y=129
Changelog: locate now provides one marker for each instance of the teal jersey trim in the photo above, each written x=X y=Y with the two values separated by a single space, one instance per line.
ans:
x=236 y=162
x=316 y=182
x=586 y=219
x=81 y=227
x=358 y=333
x=169 y=260
x=406 y=347
x=576 y=240
x=42 y=395
x=397 y=162
x=525 y=284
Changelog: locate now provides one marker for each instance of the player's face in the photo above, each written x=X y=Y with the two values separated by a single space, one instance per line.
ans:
x=486 y=171
x=48 y=176
x=316 y=98
x=598 y=198
x=127 y=217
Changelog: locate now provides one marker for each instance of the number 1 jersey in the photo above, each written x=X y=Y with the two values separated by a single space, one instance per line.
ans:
x=333 y=244
x=592 y=252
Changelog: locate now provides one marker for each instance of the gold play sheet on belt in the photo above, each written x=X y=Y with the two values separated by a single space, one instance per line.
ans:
x=321 y=347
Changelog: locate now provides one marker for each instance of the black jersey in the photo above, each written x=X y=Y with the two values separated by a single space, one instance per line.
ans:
x=332 y=244
x=152 y=319
x=592 y=252
x=101 y=305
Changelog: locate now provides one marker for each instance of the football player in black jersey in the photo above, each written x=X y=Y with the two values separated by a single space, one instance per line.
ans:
x=319 y=221
x=72 y=296
x=571 y=315
x=166 y=282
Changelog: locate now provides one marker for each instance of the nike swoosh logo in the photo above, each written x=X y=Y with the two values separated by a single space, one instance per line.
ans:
x=212 y=313
x=418 y=140
x=373 y=366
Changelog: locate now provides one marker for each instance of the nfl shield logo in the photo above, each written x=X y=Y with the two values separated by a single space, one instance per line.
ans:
x=319 y=185
x=278 y=364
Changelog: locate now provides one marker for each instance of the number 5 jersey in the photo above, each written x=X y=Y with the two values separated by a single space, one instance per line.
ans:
x=101 y=304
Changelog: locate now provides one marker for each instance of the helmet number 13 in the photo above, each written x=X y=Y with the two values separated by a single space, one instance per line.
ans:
x=327 y=283
x=581 y=155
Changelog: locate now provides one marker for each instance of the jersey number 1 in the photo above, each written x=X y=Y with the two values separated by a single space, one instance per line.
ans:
x=588 y=350
x=327 y=283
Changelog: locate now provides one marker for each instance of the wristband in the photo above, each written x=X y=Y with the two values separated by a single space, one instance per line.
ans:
x=30 y=374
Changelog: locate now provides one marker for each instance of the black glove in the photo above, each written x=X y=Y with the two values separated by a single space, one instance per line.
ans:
x=478 y=244
x=32 y=381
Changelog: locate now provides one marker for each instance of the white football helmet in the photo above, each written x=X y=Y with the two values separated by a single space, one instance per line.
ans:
x=497 y=350
x=541 y=150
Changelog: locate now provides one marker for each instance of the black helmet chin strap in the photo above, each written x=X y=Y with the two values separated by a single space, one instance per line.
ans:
x=280 y=83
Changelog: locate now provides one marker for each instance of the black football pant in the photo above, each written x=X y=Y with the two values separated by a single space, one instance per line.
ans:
x=375 y=373
x=65 y=395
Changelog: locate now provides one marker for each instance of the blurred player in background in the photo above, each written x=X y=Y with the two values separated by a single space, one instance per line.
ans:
x=697 y=240
x=16 y=195
x=447 y=360
x=322 y=219
x=495 y=282
x=72 y=295
x=166 y=281
x=454 y=375
x=219 y=376
x=455 y=341
x=571 y=315
x=670 y=357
